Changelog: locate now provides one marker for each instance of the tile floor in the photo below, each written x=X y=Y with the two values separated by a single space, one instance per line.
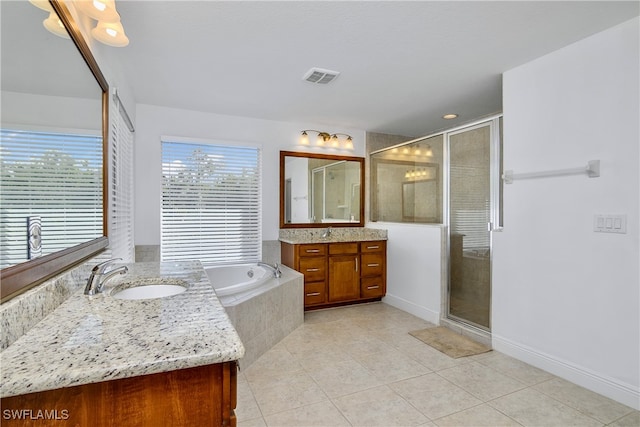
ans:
x=358 y=366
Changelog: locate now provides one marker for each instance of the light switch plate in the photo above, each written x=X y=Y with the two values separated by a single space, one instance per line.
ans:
x=610 y=224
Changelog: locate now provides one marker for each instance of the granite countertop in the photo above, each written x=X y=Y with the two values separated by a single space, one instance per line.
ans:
x=99 y=338
x=297 y=236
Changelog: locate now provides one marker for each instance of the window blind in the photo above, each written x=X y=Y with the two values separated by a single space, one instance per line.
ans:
x=54 y=176
x=470 y=208
x=121 y=201
x=211 y=202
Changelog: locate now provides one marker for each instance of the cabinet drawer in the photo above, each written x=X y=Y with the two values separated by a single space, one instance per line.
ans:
x=319 y=249
x=377 y=246
x=314 y=293
x=313 y=268
x=371 y=287
x=343 y=248
x=372 y=264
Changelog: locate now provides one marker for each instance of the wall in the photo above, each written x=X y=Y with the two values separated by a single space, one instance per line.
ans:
x=152 y=122
x=564 y=297
x=414 y=268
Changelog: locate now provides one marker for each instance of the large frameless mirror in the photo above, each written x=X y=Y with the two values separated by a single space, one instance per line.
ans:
x=54 y=115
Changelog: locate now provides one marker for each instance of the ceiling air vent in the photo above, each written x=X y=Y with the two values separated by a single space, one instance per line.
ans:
x=320 y=76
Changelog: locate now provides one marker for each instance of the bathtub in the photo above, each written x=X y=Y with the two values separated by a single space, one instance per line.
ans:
x=237 y=279
x=263 y=309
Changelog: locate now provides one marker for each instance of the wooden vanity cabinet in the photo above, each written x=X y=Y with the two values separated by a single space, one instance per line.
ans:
x=191 y=397
x=338 y=273
x=373 y=257
x=343 y=273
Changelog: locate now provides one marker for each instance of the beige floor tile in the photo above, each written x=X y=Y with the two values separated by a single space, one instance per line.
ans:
x=378 y=406
x=246 y=407
x=273 y=363
x=344 y=378
x=514 y=368
x=532 y=408
x=322 y=414
x=362 y=346
x=478 y=416
x=585 y=401
x=631 y=420
x=428 y=356
x=481 y=381
x=254 y=422
x=390 y=365
x=289 y=391
x=434 y=396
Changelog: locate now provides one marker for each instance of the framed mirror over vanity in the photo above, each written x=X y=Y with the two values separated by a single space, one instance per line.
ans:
x=321 y=190
x=324 y=238
x=54 y=131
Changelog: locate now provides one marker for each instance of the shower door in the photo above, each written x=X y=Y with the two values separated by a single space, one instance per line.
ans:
x=472 y=214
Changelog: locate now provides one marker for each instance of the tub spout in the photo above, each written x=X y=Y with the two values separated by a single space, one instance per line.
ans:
x=275 y=268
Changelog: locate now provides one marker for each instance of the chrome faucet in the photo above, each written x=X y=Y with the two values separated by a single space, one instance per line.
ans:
x=275 y=268
x=99 y=276
x=326 y=233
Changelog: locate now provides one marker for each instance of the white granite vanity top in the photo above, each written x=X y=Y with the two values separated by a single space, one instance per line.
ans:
x=93 y=339
x=298 y=236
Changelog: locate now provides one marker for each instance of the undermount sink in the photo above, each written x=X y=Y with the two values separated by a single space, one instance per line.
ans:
x=149 y=289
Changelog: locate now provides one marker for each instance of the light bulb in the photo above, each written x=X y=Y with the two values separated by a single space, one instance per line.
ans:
x=55 y=26
x=110 y=33
x=304 y=138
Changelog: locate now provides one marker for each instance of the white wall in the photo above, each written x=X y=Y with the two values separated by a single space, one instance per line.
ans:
x=414 y=264
x=152 y=122
x=564 y=297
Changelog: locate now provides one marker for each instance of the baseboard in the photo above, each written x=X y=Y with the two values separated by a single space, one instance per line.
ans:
x=606 y=386
x=412 y=308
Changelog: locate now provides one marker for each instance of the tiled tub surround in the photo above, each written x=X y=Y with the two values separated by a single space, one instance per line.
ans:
x=265 y=315
x=338 y=234
x=100 y=338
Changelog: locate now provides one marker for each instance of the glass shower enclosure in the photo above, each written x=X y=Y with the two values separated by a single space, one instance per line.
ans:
x=473 y=213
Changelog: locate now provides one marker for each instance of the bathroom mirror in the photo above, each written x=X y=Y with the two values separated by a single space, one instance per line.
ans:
x=321 y=190
x=51 y=85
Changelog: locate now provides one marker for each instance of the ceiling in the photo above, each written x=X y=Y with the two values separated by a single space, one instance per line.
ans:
x=403 y=64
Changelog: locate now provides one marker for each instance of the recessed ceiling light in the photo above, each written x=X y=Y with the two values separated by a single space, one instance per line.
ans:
x=449 y=116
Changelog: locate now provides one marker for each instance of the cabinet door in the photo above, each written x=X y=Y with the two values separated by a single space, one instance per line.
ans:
x=344 y=278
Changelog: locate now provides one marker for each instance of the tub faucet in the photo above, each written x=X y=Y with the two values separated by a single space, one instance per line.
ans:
x=275 y=268
x=99 y=276
x=326 y=233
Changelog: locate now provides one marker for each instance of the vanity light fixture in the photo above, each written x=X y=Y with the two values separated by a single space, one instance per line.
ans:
x=52 y=23
x=325 y=139
x=108 y=30
x=110 y=33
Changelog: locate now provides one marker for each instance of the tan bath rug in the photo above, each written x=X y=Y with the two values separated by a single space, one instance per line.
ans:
x=450 y=343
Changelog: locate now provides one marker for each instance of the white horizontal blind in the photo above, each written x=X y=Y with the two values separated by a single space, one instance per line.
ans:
x=211 y=202
x=470 y=208
x=56 y=176
x=121 y=191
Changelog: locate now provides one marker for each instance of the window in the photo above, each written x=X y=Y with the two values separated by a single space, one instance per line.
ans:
x=211 y=202
x=54 y=179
